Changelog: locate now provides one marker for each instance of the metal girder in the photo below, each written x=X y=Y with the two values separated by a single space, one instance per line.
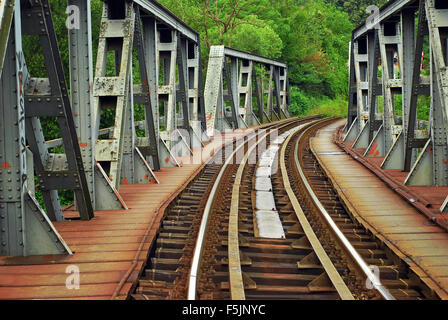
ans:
x=437 y=23
x=167 y=56
x=102 y=193
x=230 y=52
x=201 y=98
x=410 y=133
x=352 y=88
x=213 y=93
x=182 y=88
x=180 y=92
x=152 y=61
x=150 y=123
x=362 y=140
x=277 y=95
x=120 y=32
x=6 y=16
x=242 y=83
x=390 y=9
x=402 y=139
x=270 y=102
x=231 y=85
x=245 y=92
x=284 y=91
x=258 y=92
x=359 y=86
x=233 y=91
x=114 y=91
x=176 y=57
x=195 y=94
x=391 y=82
x=26 y=229
x=353 y=131
x=54 y=95
x=163 y=15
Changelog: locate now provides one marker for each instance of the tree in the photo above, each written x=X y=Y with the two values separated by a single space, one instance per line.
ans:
x=357 y=8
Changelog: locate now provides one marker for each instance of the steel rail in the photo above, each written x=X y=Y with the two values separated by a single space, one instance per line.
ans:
x=199 y=248
x=341 y=237
x=235 y=272
x=162 y=206
x=330 y=269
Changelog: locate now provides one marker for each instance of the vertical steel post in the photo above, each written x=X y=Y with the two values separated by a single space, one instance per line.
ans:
x=25 y=228
x=81 y=81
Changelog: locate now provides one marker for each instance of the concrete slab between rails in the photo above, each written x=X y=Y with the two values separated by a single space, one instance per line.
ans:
x=367 y=202
x=263 y=184
x=269 y=225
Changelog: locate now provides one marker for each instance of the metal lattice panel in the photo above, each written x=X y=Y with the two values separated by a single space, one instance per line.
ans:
x=232 y=107
x=400 y=44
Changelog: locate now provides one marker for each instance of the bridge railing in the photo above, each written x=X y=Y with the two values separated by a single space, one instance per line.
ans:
x=388 y=62
x=233 y=82
x=96 y=160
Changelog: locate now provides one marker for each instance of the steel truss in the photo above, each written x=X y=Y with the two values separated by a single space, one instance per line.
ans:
x=396 y=45
x=232 y=84
x=26 y=229
x=96 y=160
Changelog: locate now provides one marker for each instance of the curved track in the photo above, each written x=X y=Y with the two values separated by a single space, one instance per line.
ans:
x=239 y=264
x=166 y=275
x=218 y=240
x=372 y=271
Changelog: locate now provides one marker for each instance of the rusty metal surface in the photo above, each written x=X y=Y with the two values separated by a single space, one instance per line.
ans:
x=324 y=259
x=382 y=209
x=269 y=267
x=425 y=199
x=110 y=250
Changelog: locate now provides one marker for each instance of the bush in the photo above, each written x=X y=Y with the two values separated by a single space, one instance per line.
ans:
x=330 y=107
x=300 y=103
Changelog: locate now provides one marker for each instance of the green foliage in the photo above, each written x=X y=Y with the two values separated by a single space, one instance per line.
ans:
x=330 y=107
x=357 y=8
x=300 y=103
x=312 y=36
x=263 y=41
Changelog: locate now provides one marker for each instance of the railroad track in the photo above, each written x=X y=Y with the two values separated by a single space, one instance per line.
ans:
x=256 y=246
x=350 y=246
x=169 y=263
x=236 y=264
x=268 y=225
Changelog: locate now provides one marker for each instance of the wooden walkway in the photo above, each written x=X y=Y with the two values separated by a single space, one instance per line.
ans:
x=111 y=248
x=410 y=234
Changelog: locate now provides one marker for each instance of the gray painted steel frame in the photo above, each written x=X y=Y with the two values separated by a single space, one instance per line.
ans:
x=25 y=228
x=103 y=194
x=242 y=85
x=49 y=97
x=402 y=137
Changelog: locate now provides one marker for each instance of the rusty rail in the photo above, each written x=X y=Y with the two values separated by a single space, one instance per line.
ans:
x=324 y=259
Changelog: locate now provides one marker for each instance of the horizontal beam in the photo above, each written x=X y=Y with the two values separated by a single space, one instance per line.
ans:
x=163 y=15
x=229 y=52
x=388 y=10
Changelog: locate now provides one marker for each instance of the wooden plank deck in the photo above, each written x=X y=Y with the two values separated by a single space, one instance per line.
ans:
x=106 y=247
x=410 y=234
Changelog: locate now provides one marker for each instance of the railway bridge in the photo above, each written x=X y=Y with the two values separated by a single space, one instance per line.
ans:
x=218 y=192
